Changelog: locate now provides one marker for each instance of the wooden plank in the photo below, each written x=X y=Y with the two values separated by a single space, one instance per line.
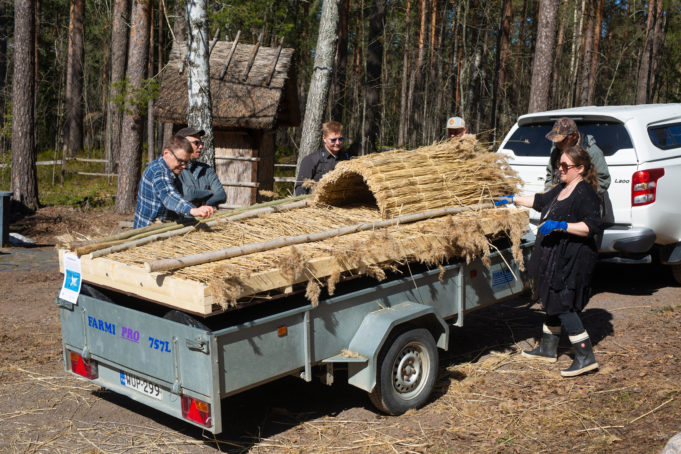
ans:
x=191 y=296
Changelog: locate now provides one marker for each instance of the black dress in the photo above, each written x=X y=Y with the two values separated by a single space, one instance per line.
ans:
x=561 y=263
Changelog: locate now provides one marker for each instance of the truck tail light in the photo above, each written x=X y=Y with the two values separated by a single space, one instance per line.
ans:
x=82 y=366
x=644 y=186
x=196 y=410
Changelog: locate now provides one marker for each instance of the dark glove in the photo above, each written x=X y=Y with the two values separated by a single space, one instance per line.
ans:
x=549 y=226
x=503 y=200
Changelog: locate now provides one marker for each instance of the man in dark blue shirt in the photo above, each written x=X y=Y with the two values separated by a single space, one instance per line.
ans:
x=157 y=195
x=324 y=160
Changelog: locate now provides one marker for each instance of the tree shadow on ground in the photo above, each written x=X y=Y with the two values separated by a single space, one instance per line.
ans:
x=513 y=325
x=262 y=412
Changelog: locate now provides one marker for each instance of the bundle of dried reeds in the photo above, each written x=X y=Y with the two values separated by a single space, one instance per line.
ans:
x=451 y=173
x=248 y=257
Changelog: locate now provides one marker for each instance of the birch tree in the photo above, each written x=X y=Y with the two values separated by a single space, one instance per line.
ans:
x=317 y=95
x=199 y=107
x=24 y=175
x=543 y=56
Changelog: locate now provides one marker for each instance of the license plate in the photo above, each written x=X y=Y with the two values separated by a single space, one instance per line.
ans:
x=141 y=385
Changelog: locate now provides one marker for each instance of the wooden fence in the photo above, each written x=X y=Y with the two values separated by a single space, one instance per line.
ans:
x=95 y=174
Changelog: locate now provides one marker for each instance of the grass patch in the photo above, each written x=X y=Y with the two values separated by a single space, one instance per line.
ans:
x=78 y=190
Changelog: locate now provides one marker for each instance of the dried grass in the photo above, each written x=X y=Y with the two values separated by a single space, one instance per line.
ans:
x=450 y=173
x=363 y=190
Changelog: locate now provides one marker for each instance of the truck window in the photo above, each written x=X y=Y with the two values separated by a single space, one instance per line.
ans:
x=530 y=140
x=666 y=137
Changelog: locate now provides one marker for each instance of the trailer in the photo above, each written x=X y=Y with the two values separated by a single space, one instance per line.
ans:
x=385 y=334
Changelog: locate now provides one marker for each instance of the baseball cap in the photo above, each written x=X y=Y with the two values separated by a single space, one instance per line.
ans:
x=455 y=122
x=562 y=128
x=189 y=131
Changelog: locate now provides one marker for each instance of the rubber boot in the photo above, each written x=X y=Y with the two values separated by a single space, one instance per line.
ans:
x=584 y=356
x=548 y=345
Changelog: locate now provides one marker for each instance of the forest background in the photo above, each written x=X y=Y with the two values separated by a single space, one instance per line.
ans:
x=400 y=69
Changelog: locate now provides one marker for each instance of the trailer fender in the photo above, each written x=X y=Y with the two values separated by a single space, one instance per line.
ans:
x=376 y=329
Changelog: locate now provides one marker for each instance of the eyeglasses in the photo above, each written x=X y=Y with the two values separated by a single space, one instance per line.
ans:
x=565 y=166
x=180 y=162
x=198 y=143
x=337 y=139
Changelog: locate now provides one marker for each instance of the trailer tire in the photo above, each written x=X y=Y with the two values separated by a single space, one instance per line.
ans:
x=406 y=372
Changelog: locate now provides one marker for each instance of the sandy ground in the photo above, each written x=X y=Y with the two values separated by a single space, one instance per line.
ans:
x=487 y=398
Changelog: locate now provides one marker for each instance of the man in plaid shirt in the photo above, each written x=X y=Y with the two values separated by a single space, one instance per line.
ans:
x=157 y=193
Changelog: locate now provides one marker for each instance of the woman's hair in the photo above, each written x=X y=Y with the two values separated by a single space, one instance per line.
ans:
x=580 y=157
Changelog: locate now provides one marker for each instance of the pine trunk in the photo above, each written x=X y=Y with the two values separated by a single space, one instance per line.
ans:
x=199 y=109
x=119 y=49
x=587 y=54
x=596 y=50
x=374 y=68
x=643 y=78
x=133 y=120
x=317 y=95
x=74 y=79
x=404 y=119
x=338 y=105
x=24 y=176
x=543 y=56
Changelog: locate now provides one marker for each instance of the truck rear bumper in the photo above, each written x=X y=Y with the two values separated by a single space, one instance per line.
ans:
x=626 y=240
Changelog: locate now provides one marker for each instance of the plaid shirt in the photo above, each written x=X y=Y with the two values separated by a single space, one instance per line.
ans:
x=157 y=195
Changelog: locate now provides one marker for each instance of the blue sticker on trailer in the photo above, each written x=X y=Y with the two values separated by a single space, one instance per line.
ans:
x=501 y=278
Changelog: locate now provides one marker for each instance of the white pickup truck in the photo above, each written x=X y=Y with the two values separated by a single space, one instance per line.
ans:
x=642 y=147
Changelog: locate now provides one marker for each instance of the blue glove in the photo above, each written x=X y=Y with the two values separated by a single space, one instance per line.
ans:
x=503 y=200
x=549 y=226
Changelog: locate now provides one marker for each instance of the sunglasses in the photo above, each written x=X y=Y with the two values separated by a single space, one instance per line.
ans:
x=180 y=162
x=565 y=166
x=198 y=143
x=338 y=139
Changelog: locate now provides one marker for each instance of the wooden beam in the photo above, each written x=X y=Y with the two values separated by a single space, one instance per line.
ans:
x=231 y=54
x=276 y=60
x=252 y=58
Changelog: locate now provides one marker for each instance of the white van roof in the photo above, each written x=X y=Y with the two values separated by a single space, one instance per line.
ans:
x=652 y=113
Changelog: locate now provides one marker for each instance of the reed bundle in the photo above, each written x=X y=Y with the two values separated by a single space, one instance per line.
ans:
x=253 y=256
x=450 y=173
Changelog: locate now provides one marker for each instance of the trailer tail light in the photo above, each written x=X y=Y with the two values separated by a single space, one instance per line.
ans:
x=644 y=186
x=196 y=410
x=82 y=366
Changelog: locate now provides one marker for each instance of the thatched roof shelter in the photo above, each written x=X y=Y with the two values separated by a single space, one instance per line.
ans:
x=262 y=96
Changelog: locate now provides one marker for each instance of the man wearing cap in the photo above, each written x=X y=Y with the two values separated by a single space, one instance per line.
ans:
x=198 y=183
x=316 y=164
x=564 y=135
x=456 y=127
x=157 y=197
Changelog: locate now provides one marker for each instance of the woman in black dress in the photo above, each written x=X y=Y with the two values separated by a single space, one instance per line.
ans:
x=564 y=256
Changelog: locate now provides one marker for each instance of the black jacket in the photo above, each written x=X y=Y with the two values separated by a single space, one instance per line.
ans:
x=315 y=166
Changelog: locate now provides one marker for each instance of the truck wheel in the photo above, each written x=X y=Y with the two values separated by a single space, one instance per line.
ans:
x=407 y=369
x=676 y=272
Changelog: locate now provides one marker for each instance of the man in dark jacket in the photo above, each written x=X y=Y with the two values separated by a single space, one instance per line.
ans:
x=198 y=182
x=322 y=161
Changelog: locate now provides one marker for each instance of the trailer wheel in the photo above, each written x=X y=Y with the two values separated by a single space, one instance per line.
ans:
x=407 y=369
